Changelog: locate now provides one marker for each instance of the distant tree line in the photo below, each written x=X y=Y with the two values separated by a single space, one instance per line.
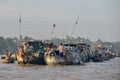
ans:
x=11 y=43
x=7 y=44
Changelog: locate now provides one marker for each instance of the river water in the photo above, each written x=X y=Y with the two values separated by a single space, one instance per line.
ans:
x=107 y=70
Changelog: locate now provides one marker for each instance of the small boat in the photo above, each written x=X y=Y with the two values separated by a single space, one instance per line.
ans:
x=70 y=57
x=7 y=61
x=97 y=58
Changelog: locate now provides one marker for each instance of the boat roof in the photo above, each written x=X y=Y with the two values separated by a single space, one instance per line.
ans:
x=75 y=44
x=35 y=41
x=70 y=44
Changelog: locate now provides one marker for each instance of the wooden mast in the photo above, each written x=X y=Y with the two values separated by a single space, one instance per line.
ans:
x=20 y=35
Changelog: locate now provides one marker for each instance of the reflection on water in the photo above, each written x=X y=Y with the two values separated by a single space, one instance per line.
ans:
x=108 y=70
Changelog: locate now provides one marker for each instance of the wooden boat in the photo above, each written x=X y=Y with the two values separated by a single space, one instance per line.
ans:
x=7 y=61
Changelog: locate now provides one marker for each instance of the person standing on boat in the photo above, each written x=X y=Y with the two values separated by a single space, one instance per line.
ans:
x=25 y=48
x=7 y=57
x=61 y=50
x=20 y=55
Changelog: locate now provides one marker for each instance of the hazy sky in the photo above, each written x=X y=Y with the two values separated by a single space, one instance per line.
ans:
x=98 y=18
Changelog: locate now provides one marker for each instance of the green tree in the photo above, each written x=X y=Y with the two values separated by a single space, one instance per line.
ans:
x=2 y=45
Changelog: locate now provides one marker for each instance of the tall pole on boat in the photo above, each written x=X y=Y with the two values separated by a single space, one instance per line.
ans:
x=52 y=31
x=76 y=22
x=20 y=35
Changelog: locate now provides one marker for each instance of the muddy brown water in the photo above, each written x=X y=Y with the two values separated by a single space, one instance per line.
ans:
x=107 y=70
